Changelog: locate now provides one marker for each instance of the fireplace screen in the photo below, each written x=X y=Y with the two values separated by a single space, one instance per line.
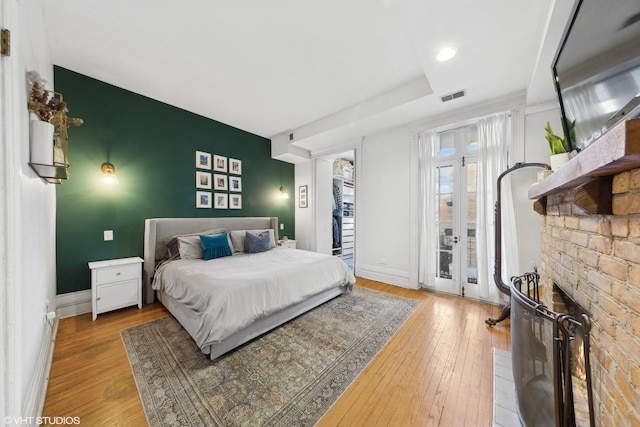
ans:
x=550 y=353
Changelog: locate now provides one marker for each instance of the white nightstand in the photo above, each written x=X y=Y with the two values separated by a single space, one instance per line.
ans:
x=115 y=283
x=291 y=244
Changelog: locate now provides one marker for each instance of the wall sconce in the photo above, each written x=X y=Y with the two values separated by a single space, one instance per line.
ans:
x=283 y=193
x=109 y=172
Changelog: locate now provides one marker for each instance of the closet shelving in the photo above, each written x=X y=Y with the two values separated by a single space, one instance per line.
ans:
x=344 y=213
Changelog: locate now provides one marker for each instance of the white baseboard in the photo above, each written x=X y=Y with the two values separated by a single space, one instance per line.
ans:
x=384 y=275
x=73 y=304
x=34 y=399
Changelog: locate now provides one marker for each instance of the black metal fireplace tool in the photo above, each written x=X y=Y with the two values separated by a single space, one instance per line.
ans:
x=497 y=276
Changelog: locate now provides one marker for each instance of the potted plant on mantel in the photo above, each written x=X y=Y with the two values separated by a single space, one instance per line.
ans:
x=48 y=130
x=561 y=148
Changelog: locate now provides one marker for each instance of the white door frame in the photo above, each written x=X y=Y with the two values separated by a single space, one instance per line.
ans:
x=10 y=224
x=458 y=284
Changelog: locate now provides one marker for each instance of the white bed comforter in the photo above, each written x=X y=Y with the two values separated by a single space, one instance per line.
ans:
x=232 y=292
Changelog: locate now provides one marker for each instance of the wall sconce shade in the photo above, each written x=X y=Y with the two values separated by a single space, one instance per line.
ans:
x=109 y=172
x=283 y=193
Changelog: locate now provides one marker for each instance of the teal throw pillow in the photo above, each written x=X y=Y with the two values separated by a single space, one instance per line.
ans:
x=215 y=246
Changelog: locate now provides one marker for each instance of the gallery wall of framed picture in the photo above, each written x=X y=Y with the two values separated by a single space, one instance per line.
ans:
x=218 y=181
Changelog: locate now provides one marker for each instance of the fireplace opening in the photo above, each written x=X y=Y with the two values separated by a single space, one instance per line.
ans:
x=563 y=303
x=550 y=358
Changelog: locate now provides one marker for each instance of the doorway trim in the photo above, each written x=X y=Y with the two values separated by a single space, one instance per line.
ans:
x=10 y=224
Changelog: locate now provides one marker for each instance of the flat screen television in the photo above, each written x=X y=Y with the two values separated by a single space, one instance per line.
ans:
x=597 y=68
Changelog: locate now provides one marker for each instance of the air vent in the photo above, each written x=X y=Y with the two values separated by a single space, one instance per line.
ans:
x=452 y=96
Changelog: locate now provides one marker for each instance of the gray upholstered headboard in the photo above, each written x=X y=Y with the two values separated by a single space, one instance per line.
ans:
x=158 y=231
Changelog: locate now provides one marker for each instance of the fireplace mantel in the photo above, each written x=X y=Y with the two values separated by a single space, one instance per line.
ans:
x=615 y=152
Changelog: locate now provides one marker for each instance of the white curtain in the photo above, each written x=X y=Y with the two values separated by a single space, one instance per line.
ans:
x=493 y=147
x=493 y=150
x=426 y=209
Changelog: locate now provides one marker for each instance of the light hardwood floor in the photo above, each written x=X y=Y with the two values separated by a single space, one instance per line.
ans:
x=436 y=371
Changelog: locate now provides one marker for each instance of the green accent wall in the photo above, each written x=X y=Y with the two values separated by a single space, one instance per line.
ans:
x=153 y=148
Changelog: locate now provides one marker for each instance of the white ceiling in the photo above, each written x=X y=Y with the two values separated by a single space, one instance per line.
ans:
x=329 y=71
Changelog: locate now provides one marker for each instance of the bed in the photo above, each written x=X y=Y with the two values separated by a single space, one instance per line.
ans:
x=225 y=302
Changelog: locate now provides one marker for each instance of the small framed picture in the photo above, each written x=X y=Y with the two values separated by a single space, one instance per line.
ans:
x=235 y=183
x=203 y=199
x=203 y=160
x=220 y=200
x=219 y=182
x=302 y=197
x=235 y=201
x=219 y=163
x=203 y=179
x=235 y=166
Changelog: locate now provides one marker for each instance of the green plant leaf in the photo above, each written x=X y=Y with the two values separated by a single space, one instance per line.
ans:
x=557 y=145
x=572 y=134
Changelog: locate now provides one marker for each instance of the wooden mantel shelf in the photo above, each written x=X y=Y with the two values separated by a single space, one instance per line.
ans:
x=615 y=152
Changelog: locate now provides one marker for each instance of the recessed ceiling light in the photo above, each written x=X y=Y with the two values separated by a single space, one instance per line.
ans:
x=446 y=54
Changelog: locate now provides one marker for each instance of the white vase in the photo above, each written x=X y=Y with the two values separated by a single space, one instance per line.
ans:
x=558 y=160
x=41 y=135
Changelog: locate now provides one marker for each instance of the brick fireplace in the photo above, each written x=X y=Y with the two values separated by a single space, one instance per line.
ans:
x=591 y=250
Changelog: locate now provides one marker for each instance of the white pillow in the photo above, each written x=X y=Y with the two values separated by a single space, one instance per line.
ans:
x=175 y=248
x=190 y=247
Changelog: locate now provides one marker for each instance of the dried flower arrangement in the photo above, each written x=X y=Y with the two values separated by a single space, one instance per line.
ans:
x=49 y=107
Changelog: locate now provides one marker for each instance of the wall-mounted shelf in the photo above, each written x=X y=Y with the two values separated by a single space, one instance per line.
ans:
x=50 y=173
x=48 y=137
x=615 y=152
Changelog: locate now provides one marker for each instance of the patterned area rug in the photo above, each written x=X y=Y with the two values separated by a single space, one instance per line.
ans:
x=288 y=377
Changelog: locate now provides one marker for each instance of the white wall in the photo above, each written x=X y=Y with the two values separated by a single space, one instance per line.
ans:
x=383 y=212
x=536 y=146
x=32 y=218
x=386 y=169
x=304 y=216
x=536 y=149
x=313 y=223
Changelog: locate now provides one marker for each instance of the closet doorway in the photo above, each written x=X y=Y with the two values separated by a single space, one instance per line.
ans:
x=344 y=207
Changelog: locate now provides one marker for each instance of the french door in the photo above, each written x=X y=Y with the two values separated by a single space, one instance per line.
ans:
x=455 y=213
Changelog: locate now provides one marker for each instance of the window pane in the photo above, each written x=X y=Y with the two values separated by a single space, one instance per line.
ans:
x=472 y=173
x=444 y=193
x=472 y=138
x=444 y=217
x=446 y=146
x=445 y=256
x=444 y=181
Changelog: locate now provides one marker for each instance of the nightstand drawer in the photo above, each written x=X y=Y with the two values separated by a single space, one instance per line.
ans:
x=117 y=273
x=117 y=295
